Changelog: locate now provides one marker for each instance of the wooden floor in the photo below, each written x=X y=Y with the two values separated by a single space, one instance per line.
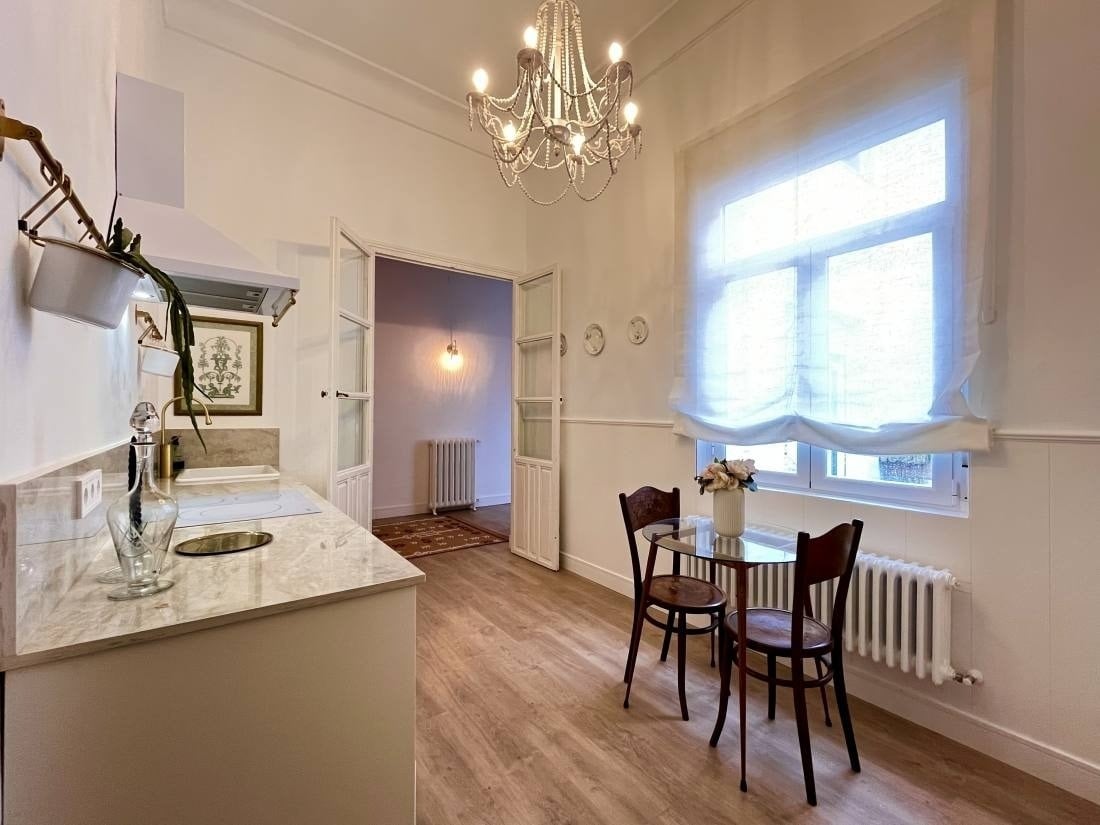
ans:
x=520 y=722
x=497 y=518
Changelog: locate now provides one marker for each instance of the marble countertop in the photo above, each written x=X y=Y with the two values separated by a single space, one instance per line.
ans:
x=314 y=559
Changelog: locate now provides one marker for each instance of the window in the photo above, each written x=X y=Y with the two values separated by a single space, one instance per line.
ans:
x=830 y=255
x=935 y=481
x=845 y=267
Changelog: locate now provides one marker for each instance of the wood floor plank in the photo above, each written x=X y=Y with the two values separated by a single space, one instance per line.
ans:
x=520 y=722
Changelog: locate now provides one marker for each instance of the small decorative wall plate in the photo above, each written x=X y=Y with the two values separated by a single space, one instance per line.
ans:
x=637 y=330
x=564 y=347
x=593 y=339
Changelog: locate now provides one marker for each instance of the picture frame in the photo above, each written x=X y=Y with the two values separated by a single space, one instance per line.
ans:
x=229 y=366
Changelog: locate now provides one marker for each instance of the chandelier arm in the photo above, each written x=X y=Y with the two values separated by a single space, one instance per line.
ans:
x=589 y=198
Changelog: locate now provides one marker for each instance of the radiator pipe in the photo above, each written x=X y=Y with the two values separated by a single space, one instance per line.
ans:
x=970 y=678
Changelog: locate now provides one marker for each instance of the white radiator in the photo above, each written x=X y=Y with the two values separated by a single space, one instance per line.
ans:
x=451 y=473
x=898 y=613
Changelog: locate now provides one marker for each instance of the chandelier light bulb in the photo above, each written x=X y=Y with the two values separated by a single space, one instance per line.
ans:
x=481 y=81
x=615 y=52
x=531 y=37
x=630 y=112
x=509 y=132
x=578 y=142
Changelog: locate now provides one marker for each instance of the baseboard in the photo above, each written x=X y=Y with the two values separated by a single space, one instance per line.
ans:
x=1049 y=763
x=600 y=575
x=393 y=510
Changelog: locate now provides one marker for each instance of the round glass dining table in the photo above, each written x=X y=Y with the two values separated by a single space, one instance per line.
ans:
x=695 y=536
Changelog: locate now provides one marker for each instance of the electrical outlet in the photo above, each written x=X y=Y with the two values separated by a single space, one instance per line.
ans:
x=88 y=491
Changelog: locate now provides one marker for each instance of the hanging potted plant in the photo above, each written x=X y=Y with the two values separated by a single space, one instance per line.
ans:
x=89 y=284
x=82 y=283
x=124 y=246
x=728 y=479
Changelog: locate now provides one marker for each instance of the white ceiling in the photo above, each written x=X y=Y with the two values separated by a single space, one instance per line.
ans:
x=439 y=43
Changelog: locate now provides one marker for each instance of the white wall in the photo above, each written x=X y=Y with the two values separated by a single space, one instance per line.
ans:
x=1028 y=570
x=66 y=388
x=417 y=399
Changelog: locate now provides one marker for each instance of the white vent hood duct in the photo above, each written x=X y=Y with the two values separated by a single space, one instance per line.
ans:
x=209 y=268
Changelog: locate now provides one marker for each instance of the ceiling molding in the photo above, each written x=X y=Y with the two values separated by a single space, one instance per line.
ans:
x=235 y=27
x=240 y=28
x=278 y=21
x=679 y=29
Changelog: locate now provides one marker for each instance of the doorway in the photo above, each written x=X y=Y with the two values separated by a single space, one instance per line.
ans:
x=442 y=397
x=348 y=432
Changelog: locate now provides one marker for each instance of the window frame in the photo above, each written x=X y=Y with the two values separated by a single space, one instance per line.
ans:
x=948 y=495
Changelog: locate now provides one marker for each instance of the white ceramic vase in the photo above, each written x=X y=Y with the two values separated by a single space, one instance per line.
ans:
x=729 y=512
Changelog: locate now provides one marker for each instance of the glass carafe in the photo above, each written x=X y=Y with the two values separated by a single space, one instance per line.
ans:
x=142 y=520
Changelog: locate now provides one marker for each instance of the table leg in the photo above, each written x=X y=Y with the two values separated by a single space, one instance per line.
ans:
x=639 y=621
x=742 y=660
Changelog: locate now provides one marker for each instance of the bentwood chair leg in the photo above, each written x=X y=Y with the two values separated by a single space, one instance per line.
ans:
x=632 y=657
x=725 y=667
x=803 y=729
x=845 y=713
x=771 y=687
x=639 y=621
x=681 y=663
x=824 y=693
x=633 y=640
x=670 y=622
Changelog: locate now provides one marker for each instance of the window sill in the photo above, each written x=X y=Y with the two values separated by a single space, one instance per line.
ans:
x=960 y=511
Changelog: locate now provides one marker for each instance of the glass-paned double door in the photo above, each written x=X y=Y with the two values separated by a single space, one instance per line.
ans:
x=352 y=373
x=536 y=417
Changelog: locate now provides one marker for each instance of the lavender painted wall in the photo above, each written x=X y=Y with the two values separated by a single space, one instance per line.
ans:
x=417 y=399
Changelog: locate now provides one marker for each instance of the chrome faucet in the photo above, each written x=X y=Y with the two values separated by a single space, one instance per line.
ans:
x=166 y=449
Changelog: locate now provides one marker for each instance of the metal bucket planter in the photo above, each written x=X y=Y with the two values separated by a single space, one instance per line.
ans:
x=82 y=283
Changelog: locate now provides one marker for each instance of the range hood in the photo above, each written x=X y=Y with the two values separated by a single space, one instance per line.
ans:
x=209 y=268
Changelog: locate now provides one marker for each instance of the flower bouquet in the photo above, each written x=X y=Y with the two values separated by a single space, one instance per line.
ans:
x=728 y=479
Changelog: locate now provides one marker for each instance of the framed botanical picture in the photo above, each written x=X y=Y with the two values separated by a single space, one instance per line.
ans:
x=229 y=366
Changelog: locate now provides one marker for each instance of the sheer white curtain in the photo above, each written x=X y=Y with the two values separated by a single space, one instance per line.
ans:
x=831 y=250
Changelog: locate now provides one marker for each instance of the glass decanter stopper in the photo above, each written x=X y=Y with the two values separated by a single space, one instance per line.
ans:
x=141 y=521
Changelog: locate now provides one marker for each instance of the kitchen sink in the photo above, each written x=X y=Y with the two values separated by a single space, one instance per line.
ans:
x=217 y=475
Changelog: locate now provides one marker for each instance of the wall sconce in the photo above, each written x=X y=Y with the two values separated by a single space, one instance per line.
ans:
x=451 y=360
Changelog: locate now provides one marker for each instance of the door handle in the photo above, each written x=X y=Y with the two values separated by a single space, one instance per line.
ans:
x=341 y=394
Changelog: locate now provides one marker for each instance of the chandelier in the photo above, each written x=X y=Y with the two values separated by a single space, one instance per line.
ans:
x=558 y=119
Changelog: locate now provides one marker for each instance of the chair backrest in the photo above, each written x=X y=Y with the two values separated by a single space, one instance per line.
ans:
x=641 y=508
x=829 y=556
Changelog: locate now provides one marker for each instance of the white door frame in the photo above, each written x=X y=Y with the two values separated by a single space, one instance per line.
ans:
x=421 y=258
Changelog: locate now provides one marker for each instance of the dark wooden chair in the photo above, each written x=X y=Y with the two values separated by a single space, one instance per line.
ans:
x=679 y=596
x=797 y=636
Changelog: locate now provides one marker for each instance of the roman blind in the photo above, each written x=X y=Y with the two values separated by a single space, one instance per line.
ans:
x=831 y=251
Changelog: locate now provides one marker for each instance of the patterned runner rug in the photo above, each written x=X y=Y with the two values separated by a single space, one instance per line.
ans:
x=420 y=536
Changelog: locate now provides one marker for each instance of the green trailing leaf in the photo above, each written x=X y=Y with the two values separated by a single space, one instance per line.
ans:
x=126 y=246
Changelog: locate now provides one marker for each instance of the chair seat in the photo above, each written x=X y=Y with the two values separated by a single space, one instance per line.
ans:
x=769 y=631
x=686 y=593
